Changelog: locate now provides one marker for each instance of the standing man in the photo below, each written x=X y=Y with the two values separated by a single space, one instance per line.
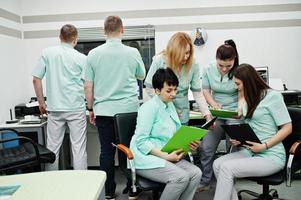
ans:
x=63 y=67
x=111 y=87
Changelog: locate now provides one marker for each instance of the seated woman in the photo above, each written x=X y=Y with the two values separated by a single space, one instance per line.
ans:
x=157 y=121
x=264 y=110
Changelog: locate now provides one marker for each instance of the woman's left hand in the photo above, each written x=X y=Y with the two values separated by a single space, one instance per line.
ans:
x=194 y=145
x=255 y=147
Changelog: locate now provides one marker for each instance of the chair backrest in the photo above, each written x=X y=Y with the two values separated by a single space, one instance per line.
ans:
x=295 y=114
x=27 y=154
x=125 y=125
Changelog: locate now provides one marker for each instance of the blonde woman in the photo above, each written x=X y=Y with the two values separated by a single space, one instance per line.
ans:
x=178 y=56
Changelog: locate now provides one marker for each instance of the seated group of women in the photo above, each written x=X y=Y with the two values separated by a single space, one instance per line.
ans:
x=225 y=84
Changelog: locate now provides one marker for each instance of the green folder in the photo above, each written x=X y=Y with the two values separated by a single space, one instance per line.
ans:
x=182 y=138
x=223 y=113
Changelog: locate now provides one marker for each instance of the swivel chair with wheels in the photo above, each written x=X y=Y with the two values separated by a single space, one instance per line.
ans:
x=125 y=124
x=292 y=146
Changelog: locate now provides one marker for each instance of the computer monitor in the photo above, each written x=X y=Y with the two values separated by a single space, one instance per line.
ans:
x=263 y=73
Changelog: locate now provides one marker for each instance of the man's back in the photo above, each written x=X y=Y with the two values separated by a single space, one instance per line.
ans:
x=114 y=69
x=63 y=67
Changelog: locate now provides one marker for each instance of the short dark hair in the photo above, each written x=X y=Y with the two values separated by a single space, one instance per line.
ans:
x=112 y=24
x=164 y=76
x=68 y=33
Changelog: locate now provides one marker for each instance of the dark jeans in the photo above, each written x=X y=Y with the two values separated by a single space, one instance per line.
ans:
x=106 y=132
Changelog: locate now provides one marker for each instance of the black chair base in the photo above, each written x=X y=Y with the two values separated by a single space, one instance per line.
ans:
x=273 y=194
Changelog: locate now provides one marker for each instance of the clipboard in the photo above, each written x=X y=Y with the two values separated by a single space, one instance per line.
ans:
x=182 y=138
x=241 y=132
x=223 y=113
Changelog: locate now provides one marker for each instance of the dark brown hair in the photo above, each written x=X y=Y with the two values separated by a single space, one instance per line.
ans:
x=254 y=87
x=228 y=51
x=112 y=24
x=68 y=33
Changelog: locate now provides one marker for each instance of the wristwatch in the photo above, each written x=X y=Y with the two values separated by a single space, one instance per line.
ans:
x=90 y=109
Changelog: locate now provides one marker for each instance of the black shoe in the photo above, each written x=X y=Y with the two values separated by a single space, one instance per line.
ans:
x=135 y=195
x=110 y=196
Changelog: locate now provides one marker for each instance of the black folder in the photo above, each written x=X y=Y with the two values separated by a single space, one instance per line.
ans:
x=241 y=132
x=209 y=123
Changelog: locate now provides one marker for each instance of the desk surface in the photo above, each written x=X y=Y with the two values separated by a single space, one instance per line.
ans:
x=195 y=115
x=50 y=185
x=19 y=125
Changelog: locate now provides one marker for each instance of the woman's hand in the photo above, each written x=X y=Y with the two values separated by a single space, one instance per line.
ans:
x=255 y=147
x=175 y=156
x=234 y=142
x=208 y=118
x=216 y=105
x=194 y=145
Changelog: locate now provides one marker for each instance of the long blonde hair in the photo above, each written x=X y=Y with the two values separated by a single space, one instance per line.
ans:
x=175 y=52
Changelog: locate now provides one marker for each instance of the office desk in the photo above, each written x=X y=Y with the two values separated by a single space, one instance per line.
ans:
x=40 y=129
x=55 y=185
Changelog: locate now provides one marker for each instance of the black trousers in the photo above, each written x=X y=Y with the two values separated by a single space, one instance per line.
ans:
x=106 y=132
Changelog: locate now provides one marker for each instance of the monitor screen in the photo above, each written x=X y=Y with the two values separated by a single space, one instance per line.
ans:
x=263 y=73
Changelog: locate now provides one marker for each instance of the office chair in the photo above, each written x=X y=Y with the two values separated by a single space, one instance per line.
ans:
x=292 y=146
x=125 y=124
x=27 y=154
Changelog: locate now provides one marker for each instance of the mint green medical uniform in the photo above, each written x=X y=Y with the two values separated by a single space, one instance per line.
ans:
x=223 y=89
x=114 y=78
x=191 y=80
x=64 y=68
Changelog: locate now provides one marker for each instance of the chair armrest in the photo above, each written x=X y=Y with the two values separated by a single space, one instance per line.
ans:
x=295 y=147
x=293 y=150
x=126 y=151
x=130 y=158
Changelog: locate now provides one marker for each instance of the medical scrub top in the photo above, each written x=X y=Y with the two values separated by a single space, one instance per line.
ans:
x=114 y=69
x=64 y=68
x=270 y=113
x=156 y=124
x=223 y=89
x=191 y=80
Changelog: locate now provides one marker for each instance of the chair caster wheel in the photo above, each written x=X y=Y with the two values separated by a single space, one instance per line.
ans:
x=275 y=195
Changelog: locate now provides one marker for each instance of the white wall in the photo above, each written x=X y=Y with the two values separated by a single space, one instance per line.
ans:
x=277 y=48
x=12 y=69
x=38 y=7
x=11 y=5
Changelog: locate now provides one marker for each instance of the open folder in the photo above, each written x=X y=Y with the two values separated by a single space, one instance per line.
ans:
x=223 y=113
x=241 y=132
x=182 y=138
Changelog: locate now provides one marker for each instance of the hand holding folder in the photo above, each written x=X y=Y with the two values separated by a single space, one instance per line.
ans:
x=241 y=132
x=183 y=137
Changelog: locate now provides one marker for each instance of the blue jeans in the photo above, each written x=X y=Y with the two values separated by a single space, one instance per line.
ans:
x=106 y=132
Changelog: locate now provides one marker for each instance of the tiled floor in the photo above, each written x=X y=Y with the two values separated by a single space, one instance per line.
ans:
x=289 y=193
